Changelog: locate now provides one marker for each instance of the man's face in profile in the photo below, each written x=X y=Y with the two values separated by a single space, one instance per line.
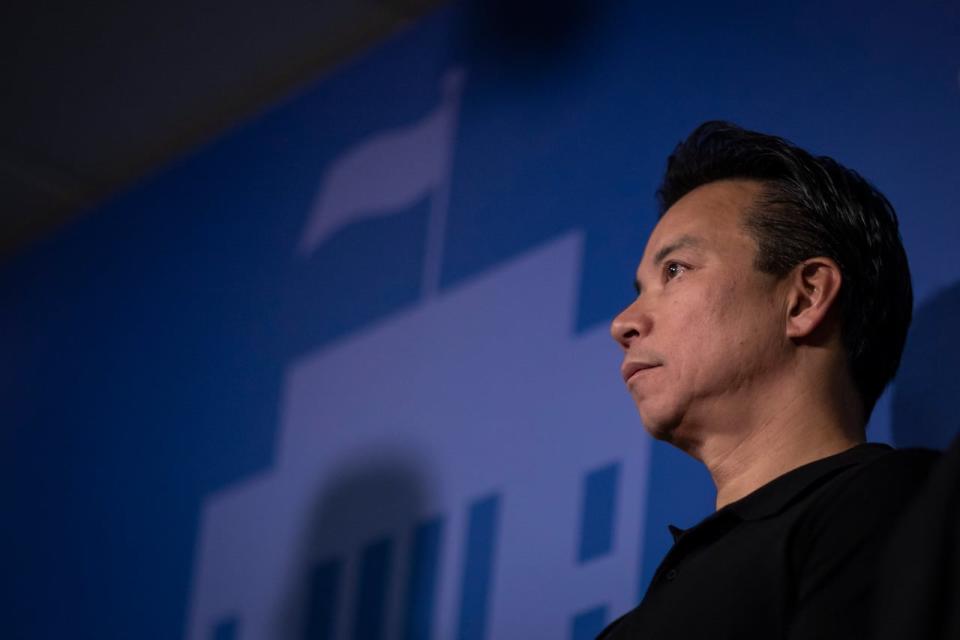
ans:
x=707 y=328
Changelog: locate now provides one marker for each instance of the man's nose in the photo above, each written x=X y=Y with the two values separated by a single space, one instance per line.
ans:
x=631 y=323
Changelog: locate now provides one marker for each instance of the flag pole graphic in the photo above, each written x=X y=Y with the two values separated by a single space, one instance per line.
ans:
x=440 y=198
x=386 y=173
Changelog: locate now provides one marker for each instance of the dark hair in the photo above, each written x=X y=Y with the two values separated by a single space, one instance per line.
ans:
x=813 y=206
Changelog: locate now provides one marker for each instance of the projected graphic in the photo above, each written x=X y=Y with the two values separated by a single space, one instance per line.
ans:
x=441 y=476
x=389 y=171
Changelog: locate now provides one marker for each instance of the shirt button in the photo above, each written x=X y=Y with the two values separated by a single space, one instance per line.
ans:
x=671 y=574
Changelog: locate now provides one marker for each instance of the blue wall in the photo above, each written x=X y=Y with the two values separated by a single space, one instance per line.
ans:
x=173 y=364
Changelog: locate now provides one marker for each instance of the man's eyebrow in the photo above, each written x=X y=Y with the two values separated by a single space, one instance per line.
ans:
x=681 y=242
x=685 y=240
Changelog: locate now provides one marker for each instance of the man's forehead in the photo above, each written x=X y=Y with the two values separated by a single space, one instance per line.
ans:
x=675 y=234
x=670 y=244
x=709 y=217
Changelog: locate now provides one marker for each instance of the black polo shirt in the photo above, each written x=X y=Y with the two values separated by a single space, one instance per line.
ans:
x=794 y=559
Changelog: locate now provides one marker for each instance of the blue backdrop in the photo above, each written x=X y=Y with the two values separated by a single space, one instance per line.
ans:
x=345 y=372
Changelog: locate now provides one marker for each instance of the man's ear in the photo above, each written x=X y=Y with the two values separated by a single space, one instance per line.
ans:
x=813 y=287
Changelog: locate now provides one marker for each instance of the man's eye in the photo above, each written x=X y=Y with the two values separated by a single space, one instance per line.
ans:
x=672 y=269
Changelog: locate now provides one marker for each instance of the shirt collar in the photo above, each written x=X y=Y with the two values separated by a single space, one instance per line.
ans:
x=777 y=494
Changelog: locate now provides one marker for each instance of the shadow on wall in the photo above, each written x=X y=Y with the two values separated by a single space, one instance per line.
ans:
x=518 y=35
x=928 y=384
x=351 y=549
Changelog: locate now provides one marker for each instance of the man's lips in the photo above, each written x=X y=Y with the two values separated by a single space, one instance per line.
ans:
x=630 y=369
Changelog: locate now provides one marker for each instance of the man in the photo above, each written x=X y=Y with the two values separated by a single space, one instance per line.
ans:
x=773 y=302
x=919 y=584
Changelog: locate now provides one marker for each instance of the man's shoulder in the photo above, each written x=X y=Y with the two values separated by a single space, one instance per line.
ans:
x=838 y=539
x=874 y=490
x=896 y=469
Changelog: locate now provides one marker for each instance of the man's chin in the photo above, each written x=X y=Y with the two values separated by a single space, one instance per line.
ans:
x=663 y=421
x=671 y=432
x=658 y=429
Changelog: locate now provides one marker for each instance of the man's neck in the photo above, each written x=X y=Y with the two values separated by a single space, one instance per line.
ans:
x=763 y=447
x=752 y=463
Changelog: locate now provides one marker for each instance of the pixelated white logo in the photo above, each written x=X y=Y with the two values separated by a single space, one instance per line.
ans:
x=466 y=469
x=484 y=391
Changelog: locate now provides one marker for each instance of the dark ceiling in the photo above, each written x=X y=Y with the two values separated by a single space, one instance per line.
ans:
x=96 y=95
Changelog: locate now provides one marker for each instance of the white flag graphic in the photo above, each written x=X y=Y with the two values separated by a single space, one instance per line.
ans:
x=388 y=172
